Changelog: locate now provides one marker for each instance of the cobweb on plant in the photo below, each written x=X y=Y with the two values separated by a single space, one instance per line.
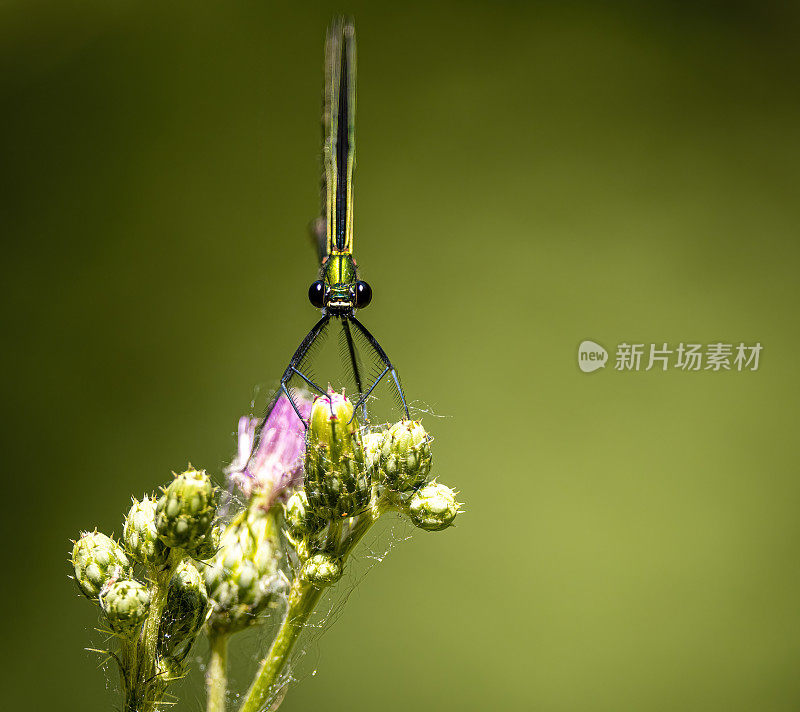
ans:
x=377 y=544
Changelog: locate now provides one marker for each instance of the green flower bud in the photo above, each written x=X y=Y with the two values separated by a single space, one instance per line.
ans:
x=243 y=578
x=433 y=507
x=186 y=510
x=208 y=546
x=337 y=482
x=300 y=520
x=405 y=457
x=96 y=559
x=140 y=536
x=322 y=570
x=125 y=604
x=184 y=614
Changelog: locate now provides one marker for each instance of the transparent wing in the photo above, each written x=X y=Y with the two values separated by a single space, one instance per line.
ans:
x=343 y=356
x=381 y=388
x=338 y=122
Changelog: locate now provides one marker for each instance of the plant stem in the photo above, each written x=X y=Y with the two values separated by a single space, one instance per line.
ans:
x=150 y=686
x=302 y=600
x=361 y=527
x=129 y=668
x=217 y=674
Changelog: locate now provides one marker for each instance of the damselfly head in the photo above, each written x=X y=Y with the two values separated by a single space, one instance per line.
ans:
x=339 y=290
x=340 y=298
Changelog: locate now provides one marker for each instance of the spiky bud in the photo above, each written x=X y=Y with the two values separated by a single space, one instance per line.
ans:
x=186 y=510
x=337 y=482
x=96 y=559
x=405 y=458
x=125 y=604
x=433 y=507
x=140 y=536
x=300 y=520
x=184 y=614
x=243 y=578
x=322 y=570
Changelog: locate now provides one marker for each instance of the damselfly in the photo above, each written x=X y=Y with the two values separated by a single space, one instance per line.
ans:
x=338 y=291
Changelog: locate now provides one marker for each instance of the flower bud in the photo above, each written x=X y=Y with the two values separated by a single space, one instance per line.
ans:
x=184 y=614
x=186 y=510
x=140 y=536
x=336 y=482
x=96 y=559
x=300 y=520
x=322 y=570
x=243 y=579
x=433 y=507
x=405 y=457
x=125 y=604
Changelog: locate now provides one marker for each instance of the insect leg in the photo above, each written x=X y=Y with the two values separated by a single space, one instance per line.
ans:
x=382 y=354
x=291 y=369
x=363 y=399
x=356 y=372
x=307 y=380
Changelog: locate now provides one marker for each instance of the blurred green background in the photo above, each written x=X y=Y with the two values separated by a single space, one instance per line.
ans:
x=529 y=175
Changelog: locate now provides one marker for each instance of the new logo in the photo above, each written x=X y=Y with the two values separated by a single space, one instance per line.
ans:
x=591 y=356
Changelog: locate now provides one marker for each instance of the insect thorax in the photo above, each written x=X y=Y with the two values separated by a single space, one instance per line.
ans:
x=339 y=272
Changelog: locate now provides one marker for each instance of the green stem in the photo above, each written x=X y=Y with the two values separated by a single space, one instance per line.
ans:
x=361 y=527
x=334 y=535
x=217 y=674
x=151 y=688
x=133 y=703
x=302 y=600
x=129 y=668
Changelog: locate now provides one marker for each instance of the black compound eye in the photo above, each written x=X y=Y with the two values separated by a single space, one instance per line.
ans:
x=316 y=294
x=363 y=294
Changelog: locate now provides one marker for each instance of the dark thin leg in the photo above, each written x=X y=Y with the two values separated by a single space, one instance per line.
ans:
x=294 y=405
x=305 y=345
x=301 y=351
x=382 y=354
x=354 y=362
x=363 y=399
x=308 y=381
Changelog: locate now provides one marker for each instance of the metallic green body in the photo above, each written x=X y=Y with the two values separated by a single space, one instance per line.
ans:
x=339 y=276
x=338 y=272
